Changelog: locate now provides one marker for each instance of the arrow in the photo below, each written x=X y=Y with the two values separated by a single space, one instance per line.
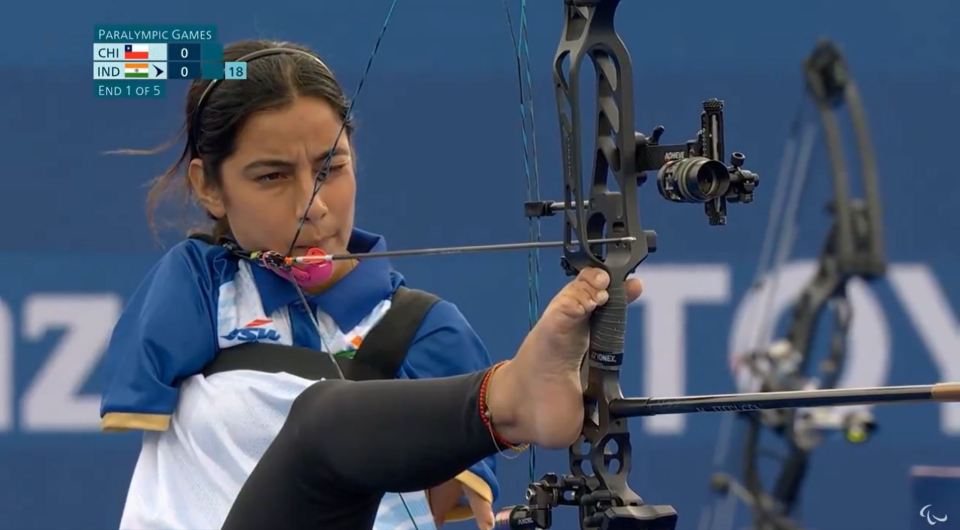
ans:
x=159 y=71
x=320 y=258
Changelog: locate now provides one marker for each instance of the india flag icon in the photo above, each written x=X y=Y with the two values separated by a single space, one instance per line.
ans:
x=136 y=70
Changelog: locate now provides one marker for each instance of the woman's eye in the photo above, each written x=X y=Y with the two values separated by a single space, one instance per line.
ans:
x=269 y=177
x=322 y=175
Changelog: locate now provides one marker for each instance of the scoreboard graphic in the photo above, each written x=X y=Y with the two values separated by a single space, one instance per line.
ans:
x=138 y=60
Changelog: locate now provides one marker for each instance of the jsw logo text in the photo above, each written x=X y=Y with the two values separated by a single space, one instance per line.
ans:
x=254 y=332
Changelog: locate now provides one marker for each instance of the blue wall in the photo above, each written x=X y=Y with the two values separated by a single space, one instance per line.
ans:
x=444 y=87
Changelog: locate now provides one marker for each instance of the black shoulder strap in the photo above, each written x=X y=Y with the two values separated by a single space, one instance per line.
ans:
x=385 y=347
x=379 y=357
x=274 y=358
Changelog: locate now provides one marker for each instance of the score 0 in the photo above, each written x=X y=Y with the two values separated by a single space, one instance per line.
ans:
x=183 y=61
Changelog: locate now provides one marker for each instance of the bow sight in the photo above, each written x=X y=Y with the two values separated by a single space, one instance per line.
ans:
x=690 y=172
x=694 y=172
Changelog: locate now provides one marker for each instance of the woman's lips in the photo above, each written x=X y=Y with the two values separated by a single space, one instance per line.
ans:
x=302 y=249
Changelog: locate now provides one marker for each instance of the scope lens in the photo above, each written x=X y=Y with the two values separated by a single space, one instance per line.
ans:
x=695 y=179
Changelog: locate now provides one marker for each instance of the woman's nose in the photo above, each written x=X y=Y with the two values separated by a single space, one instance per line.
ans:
x=312 y=191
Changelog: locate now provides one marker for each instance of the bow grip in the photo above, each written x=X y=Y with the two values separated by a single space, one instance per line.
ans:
x=608 y=326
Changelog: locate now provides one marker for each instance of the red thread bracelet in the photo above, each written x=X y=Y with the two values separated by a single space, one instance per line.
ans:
x=487 y=418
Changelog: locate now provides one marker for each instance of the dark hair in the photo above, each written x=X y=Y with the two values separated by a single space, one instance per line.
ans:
x=272 y=81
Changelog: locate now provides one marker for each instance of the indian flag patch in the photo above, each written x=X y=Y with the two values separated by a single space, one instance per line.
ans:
x=351 y=352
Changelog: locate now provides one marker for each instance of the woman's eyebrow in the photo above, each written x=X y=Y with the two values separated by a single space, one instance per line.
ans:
x=332 y=153
x=270 y=162
x=281 y=163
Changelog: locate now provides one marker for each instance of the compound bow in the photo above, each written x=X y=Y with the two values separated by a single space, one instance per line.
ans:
x=853 y=249
x=689 y=172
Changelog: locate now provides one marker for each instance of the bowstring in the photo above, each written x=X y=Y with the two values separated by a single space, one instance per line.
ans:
x=325 y=169
x=783 y=215
x=788 y=232
x=318 y=180
x=531 y=170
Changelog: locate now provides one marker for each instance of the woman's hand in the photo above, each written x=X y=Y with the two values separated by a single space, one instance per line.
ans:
x=446 y=496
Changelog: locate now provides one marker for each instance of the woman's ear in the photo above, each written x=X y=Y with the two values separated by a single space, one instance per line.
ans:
x=210 y=197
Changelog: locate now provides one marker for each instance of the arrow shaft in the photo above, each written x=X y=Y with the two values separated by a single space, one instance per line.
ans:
x=451 y=250
x=778 y=400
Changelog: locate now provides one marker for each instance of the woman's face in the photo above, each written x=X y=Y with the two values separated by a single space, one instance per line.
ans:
x=269 y=178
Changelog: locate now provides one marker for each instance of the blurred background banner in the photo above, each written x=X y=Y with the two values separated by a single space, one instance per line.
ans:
x=440 y=163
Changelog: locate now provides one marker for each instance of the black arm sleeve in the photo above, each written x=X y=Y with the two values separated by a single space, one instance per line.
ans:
x=345 y=443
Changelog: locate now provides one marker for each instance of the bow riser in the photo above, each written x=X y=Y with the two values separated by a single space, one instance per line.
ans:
x=589 y=33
